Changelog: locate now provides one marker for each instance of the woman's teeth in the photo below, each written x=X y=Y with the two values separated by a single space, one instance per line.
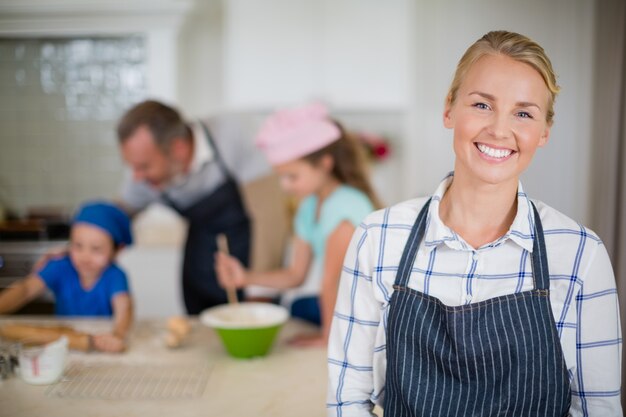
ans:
x=494 y=153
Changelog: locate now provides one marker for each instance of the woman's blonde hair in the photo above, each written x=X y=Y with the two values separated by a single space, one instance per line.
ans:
x=515 y=46
x=349 y=164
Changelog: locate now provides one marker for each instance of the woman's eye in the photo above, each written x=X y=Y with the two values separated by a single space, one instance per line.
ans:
x=525 y=115
x=481 y=106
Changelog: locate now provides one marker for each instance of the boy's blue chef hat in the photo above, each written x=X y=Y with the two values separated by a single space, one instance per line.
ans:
x=107 y=217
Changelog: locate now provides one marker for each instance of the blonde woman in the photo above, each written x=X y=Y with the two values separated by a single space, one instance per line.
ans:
x=480 y=301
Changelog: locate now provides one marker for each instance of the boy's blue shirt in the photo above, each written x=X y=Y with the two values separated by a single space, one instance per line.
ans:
x=72 y=299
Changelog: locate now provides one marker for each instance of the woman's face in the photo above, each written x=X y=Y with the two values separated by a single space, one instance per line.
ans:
x=498 y=118
x=91 y=249
x=302 y=178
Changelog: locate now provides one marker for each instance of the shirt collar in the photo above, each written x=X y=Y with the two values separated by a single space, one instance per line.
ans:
x=202 y=154
x=522 y=229
x=437 y=233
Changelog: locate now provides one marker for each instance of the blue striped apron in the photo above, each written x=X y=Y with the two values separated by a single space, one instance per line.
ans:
x=498 y=357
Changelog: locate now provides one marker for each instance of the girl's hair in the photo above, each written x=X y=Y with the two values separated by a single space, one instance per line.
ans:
x=512 y=45
x=349 y=163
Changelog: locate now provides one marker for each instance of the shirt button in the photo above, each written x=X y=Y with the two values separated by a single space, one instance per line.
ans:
x=475 y=256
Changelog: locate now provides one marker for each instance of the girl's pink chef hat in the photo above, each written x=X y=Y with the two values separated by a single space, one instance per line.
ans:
x=293 y=133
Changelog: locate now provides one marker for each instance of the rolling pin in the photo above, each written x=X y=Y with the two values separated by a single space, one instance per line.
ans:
x=46 y=334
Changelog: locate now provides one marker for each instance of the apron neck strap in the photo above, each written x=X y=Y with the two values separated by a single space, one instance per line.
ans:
x=541 y=275
x=412 y=245
x=218 y=157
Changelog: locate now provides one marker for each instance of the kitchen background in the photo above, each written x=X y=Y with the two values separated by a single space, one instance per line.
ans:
x=69 y=68
x=60 y=98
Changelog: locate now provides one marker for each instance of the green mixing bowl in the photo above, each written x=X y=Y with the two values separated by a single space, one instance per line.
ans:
x=246 y=329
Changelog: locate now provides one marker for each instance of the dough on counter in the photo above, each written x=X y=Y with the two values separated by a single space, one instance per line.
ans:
x=179 y=325
x=178 y=328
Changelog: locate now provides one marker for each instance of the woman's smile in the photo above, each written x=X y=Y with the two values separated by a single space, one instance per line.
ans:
x=494 y=153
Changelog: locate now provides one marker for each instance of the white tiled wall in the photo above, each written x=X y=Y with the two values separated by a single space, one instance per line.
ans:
x=59 y=102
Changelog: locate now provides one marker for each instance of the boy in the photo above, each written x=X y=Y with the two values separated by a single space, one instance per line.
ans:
x=86 y=281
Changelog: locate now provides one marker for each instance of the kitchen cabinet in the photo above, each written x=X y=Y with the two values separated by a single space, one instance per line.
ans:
x=349 y=53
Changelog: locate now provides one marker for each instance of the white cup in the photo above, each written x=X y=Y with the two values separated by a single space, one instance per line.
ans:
x=44 y=364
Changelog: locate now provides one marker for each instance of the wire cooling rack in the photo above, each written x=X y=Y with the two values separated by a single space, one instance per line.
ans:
x=131 y=382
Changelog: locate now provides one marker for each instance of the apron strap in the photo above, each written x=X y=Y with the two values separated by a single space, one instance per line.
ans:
x=216 y=152
x=412 y=245
x=541 y=274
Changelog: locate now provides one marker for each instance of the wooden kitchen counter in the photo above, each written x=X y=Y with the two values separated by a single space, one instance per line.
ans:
x=151 y=380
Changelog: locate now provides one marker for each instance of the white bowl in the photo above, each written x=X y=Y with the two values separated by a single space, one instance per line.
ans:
x=244 y=315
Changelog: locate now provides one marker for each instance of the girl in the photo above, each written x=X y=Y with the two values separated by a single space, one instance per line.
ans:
x=323 y=166
x=86 y=281
x=480 y=301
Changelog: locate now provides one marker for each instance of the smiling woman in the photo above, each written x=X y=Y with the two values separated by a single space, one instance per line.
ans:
x=480 y=300
x=497 y=129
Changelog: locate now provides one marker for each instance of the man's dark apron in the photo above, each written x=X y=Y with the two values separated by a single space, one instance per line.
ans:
x=498 y=357
x=222 y=211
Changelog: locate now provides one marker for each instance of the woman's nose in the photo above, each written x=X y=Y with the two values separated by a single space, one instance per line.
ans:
x=499 y=127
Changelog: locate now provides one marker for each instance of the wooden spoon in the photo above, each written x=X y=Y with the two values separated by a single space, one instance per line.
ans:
x=222 y=246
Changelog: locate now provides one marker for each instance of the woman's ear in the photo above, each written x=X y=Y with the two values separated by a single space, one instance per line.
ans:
x=545 y=136
x=448 y=119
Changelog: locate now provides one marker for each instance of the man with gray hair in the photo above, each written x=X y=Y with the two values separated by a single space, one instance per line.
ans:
x=196 y=171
